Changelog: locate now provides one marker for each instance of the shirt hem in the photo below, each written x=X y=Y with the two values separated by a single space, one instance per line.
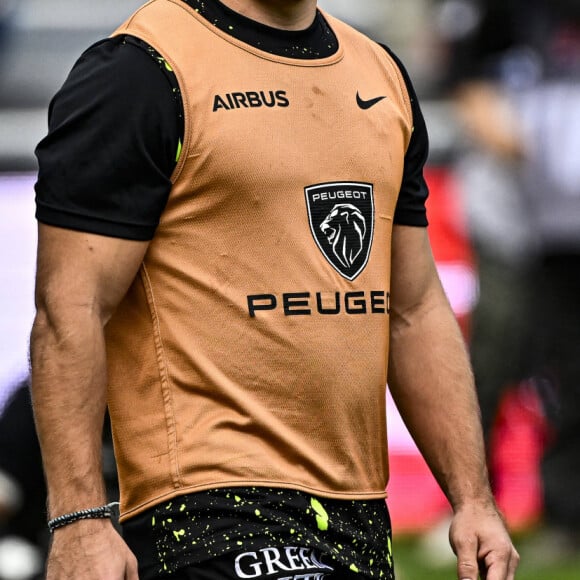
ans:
x=83 y=223
x=126 y=514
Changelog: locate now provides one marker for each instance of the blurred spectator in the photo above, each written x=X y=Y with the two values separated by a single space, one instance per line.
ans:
x=498 y=218
x=516 y=73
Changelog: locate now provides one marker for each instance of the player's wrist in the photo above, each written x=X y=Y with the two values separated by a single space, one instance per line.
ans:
x=101 y=512
x=484 y=502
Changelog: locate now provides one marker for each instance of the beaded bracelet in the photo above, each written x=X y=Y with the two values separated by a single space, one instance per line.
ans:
x=105 y=511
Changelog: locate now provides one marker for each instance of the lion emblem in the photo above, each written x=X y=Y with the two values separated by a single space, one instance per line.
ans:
x=345 y=229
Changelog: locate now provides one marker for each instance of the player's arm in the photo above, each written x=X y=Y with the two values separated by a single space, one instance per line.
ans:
x=81 y=278
x=432 y=384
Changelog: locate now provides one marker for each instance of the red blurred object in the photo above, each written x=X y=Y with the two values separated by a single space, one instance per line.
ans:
x=447 y=223
x=416 y=503
x=518 y=442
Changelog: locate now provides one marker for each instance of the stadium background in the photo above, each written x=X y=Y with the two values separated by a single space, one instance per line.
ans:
x=39 y=42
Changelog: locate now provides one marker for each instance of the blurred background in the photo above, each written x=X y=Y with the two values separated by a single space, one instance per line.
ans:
x=499 y=85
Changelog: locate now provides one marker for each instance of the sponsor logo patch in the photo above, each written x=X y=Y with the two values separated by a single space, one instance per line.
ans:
x=365 y=104
x=250 y=100
x=342 y=219
x=288 y=563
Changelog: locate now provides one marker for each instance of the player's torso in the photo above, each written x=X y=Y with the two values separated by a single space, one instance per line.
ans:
x=268 y=279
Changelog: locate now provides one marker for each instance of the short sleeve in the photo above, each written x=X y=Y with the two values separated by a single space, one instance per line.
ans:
x=410 y=209
x=114 y=133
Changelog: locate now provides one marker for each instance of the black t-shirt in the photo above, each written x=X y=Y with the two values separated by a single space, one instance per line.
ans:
x=116 y=126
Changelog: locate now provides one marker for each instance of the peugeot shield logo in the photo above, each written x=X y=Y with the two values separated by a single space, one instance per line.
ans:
x=342 y=218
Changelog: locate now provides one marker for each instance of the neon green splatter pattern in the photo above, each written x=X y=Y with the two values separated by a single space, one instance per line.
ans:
x=167 y=69
x=352 y=534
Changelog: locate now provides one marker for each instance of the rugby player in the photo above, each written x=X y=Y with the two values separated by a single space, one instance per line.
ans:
x=233 y=257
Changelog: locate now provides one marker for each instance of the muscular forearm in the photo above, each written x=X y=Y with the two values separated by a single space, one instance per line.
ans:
x=69 y=394
x=80 y=280
x=431 y=382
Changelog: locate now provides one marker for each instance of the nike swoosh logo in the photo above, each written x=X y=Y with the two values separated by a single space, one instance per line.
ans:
x=367 y=104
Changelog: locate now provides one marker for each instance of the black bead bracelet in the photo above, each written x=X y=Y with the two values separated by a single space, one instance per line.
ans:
x=104 y=511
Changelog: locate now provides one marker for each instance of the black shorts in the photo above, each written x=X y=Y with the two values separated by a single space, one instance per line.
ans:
x=262 y=533
x=273 y=563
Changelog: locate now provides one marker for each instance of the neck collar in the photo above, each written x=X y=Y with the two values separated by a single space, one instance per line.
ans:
x=315 y=42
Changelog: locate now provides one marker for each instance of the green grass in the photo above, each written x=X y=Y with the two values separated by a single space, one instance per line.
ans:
x=411 y=564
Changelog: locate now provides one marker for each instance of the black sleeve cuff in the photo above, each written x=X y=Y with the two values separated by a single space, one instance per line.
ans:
x=66 y=219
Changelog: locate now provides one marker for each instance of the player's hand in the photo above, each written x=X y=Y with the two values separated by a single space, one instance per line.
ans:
x=90 y=550
x=482 y=543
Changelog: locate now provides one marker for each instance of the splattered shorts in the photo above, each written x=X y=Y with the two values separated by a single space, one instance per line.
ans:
x=278 y=534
